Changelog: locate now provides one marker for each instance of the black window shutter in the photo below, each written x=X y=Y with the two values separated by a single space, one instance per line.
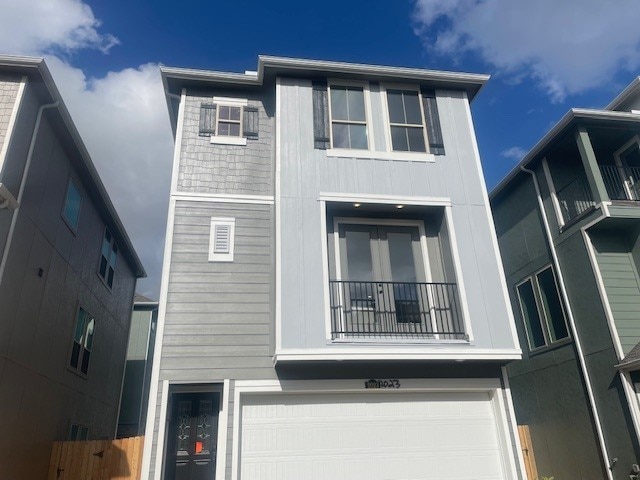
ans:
x=250 y=122
x=207 y=119
x=434 y=131
x=321 y=138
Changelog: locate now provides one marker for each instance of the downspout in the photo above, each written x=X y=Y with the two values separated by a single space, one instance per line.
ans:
x=572 y=326
x=23 y=182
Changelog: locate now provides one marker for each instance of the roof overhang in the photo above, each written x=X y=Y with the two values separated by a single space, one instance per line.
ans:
x=631 y=91
x=39 y=76
x=269 y=67
x=573 y=118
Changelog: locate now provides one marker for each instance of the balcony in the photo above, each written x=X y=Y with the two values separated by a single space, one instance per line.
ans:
x=621 y=182
x=575 y=198
x=393 y=310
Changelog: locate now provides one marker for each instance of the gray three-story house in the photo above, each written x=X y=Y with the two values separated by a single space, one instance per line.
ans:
x=68 y=273
x=332 y=302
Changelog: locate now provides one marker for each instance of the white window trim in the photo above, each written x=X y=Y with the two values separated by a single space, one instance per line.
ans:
x=367 y=114
x=222 y=257
x=492 y=386
x=537 y=296
x=112 y=243
x=446 y=205
x=381 y=155
x=229 y=102
x=78 y=370
x=387 y=121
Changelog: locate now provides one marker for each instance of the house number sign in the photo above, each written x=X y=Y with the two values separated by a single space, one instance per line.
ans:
x=382 y=383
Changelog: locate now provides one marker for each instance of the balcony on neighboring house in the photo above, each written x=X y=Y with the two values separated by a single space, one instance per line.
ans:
x=594 y=161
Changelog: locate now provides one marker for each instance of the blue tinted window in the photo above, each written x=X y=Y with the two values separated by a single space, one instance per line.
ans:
x=71 y=211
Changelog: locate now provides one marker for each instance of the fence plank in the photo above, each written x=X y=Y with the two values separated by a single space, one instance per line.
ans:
x=120 y=459
x=527 y=452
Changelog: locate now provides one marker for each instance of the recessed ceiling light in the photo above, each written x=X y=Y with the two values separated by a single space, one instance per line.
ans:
x=399 y=206
x=357 y=205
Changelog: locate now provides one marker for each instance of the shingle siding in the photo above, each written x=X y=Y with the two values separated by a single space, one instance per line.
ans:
x=232 y=169
x=9 y=85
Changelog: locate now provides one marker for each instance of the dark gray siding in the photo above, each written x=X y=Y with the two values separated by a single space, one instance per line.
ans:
x=548 y=386
x=39 y=396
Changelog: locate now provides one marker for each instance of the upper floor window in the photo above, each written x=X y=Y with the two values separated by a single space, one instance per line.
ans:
x=231 y=122
x=108 y=256
x=82 y=341
x=406 y=122
x=348 y=118
x=542 y=309
x=72 y=203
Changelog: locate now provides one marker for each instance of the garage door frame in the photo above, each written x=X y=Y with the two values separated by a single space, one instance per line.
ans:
x=243 y=388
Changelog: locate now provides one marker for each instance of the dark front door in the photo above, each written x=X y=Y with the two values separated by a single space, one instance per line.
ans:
x=192 y=436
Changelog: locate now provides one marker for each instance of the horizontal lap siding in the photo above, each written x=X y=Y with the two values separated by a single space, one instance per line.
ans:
x=218 y=314
x=620 y=280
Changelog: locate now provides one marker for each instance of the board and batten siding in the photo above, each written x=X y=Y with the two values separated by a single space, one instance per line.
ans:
x=622 y=284
x=306 y=173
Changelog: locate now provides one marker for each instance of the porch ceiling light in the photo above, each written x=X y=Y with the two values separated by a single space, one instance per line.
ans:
x=399 y=206
x=357 y=205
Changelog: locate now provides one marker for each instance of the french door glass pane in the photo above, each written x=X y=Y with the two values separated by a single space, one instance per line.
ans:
x=360 y=268
x=552 y=306
x=183 y=431
x=403 y=274
x=531 y=316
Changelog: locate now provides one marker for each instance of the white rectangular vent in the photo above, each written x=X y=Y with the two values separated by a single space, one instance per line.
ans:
x=221 y=239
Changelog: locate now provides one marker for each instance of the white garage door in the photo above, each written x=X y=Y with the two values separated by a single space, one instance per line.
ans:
x=369 y=436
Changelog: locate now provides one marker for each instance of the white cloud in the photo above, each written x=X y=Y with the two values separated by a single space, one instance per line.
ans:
x=566 y=47
x=122 y=117
x=123 y=120
x=515 y=153
x=33 y=27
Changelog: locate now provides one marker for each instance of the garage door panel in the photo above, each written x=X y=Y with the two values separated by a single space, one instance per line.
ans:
x=372 y=436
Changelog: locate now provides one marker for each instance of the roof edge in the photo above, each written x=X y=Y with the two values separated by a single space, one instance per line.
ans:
x=622 y=97
x=557 y=129
x=39 y=64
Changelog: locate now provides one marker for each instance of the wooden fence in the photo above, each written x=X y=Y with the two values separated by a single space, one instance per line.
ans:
x=527 y=452
x=97 y=460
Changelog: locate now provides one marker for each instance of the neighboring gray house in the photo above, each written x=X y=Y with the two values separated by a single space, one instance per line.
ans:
x=568 y=224
x=137 y=377
x=67 y=278
x=332 y=303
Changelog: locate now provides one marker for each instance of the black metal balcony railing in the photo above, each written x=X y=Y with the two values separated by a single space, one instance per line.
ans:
x=622 y=183
x=395 y=310
x=575 y=198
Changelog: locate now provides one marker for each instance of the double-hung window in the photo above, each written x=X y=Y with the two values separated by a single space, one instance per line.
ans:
x=108 y=256
x=542 y=309
x=82 y=341
x=406 y=121
x=348 y=117
x=229 y=121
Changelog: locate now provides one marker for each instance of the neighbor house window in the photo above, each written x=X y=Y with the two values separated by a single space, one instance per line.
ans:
x=229 y=121
x=542 y=309
x=108 y=256
x=82 y=341
x=72 y=203
x=348 y=118
x=406 y=121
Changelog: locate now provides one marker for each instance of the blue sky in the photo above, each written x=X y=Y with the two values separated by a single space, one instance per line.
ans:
x=544 y=57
